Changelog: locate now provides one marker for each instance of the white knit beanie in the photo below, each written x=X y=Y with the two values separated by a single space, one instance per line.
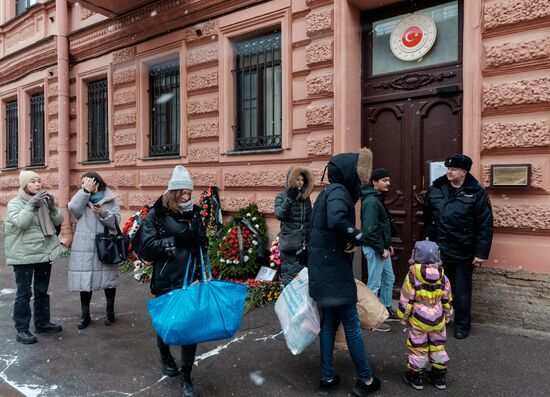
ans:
x=26 y=176
x=181 y=179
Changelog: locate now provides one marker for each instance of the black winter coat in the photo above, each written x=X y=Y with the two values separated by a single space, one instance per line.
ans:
x=376 y=223
x=331 y=281
x=184 y=233
x=460 y=222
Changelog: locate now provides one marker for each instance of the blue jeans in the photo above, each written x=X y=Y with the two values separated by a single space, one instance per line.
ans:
x=381 y=277
x=348 y=316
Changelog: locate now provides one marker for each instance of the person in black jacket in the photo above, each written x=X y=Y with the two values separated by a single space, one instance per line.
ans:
x=173 y=231
x=293 y=209
x=459 y=218
x=331 y=283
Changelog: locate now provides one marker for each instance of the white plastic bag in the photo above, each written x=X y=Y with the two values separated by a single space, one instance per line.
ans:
x=298 y=314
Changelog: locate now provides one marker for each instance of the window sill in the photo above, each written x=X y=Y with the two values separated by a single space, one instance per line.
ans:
x=170 y=157
x=36 y=167
x=10 y=168
x=254 y=151
x=88 y=162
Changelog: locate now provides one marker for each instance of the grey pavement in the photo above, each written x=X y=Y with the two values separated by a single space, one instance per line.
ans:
x=122 y=360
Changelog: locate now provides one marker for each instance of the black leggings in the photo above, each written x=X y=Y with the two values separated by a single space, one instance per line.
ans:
x=86 y=298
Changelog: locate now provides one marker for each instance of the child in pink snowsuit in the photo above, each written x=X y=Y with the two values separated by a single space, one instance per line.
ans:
x=425 y=305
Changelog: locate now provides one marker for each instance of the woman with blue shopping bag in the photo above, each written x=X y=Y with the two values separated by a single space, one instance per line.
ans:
x=171 y=234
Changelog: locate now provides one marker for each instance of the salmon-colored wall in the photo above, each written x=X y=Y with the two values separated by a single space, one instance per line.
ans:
x=506 y=103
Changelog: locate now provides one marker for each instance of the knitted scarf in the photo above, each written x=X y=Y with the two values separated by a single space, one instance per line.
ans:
x=43 y=213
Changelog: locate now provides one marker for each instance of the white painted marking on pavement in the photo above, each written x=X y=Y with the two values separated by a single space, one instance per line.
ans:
x=26 y=390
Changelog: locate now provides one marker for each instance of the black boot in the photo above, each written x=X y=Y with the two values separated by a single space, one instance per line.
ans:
x=85 y=319
x=437 y=377
x=169 y=367
x=109 y=317
x=186 y=385
x=49 y=328
x=415 y=379
x=25 y=337
x=110 y=312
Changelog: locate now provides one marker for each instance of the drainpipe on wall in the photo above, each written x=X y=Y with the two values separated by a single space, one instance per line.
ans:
x=63 y=136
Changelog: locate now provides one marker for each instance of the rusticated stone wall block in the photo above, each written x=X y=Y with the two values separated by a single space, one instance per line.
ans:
x=9 y=182
x=50 y=181
x=319 y=145
x=200 y=31
x=317 y=175
x=319 y=52
x=125 y=55
x=202 y=130
x=126 y=178
x=266 y=205
x=202 y=55
x=124 y=97
x=319 y=115
x=138 y=200
x=528 y=292
x=122 y=200
x=52 y=144
x=52 y=162
x=53 y=126
x=155 y=178
x=203 y=153
x=319 y=84
x=52 y=108
x=255 y=178
x=233 y=204
x=4 y=200
x=204 y=179
x=202 y=81
x=202 y=106
x=522 y=92
x=512 y=53
x=537 y=175
x=125 y=158
x=124 y=76
x=125 y=117
x=533 y=217
x=319 y=21
x=516 y=135
x=511 y=12
x=124 y=137
x=52 y=90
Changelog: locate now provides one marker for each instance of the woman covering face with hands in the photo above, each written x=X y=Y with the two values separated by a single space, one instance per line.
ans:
x=31 y=244
x=94 y=206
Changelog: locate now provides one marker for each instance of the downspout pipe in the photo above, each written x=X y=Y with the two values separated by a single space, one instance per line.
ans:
x=63 y=135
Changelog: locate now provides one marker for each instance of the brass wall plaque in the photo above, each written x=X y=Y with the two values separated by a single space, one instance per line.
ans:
x=510 y=175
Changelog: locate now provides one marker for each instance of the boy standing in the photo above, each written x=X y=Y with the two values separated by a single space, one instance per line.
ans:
x=377 y=231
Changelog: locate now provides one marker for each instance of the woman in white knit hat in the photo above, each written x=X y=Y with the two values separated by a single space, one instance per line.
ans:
x=31 y=244
x=173 y=231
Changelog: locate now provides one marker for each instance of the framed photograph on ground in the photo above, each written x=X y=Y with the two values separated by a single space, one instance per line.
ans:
x=266 y=274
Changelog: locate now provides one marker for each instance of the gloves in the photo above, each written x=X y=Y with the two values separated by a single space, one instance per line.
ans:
x=37 y=199
x=293 y=193
x=50 y=201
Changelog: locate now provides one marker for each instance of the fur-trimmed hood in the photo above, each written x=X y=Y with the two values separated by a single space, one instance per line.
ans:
x=293 y=173
x=349 y=169
x=364 y=165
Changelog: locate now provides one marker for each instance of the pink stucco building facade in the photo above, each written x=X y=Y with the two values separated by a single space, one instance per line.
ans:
x=325 y=99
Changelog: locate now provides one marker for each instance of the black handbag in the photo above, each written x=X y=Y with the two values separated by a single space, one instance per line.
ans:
x=112 y=248
x=291 y=241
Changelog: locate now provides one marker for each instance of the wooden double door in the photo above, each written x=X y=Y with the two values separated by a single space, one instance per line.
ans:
x=412 y=121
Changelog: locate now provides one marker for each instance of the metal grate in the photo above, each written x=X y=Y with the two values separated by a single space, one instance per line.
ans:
x=37 y=130
x=98 y=121
x=164 y=89
x=12 y=133
x=259 y=113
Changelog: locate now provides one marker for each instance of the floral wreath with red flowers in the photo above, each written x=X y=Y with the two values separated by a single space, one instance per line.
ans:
x=275 y=255
x=134 y=222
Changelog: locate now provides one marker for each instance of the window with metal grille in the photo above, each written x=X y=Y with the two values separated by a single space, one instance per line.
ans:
x=37 y=130
x=98 y=121
x=258 y=73
x=11 y=135
x=164 y=91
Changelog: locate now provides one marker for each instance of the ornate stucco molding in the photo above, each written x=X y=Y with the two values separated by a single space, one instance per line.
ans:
x=516 y=135
x=515 y=15
x=38 y=56
x=517 y=96
x=528 y=217
x=517 y=57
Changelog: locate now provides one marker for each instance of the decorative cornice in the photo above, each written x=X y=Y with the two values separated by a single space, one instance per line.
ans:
x=412 y=81
x=138 y=26
x=38 y=56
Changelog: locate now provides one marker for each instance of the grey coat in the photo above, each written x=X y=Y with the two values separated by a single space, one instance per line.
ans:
x=86 y=271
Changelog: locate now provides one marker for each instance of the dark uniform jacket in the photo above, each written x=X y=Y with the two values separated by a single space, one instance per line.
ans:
x=168 y=239
x=460 y=220
x=375 y=220
x=331 y=281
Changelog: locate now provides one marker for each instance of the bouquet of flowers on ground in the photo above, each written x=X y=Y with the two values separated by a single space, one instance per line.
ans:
x=261 y=293
x=275 y=255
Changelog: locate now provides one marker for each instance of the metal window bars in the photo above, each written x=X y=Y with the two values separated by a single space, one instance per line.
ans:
x=37 y=130
x=258 y=75
x=98 y=121
x=12 y=134
x=164 y=89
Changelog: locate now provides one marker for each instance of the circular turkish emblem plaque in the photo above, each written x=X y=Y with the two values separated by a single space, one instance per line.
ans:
x=413 y=37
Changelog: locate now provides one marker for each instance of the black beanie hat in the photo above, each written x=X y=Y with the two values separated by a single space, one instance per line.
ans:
x=459 y=161
x=379 y=173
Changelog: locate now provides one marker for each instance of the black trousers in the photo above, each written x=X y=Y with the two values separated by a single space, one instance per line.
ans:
x=460 y=276
x=25 y=288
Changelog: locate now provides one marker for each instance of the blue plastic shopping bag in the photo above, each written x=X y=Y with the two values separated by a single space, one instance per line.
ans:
x=204 y=311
